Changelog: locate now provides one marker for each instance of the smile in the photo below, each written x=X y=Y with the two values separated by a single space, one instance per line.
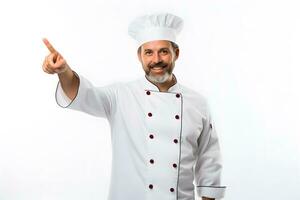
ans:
x=157 y=69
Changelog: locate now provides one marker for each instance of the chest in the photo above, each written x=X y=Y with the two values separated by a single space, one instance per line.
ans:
x=170 y=116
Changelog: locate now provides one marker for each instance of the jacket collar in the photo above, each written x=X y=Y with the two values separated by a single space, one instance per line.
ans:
x=147 y=85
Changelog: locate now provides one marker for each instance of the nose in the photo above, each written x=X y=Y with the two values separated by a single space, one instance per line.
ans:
x=156 y=57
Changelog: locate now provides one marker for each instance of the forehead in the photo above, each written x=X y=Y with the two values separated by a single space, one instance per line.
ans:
x=157 y=44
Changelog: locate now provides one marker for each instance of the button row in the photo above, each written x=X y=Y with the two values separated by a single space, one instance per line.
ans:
x=171 y=189
x=150 y=115
x=148 y=93
x=151 y=136
x=152 y=162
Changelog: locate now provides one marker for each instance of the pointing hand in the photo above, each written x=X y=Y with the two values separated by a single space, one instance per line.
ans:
x=54 y=62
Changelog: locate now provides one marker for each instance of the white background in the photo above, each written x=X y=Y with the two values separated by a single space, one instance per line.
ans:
x=242 y=55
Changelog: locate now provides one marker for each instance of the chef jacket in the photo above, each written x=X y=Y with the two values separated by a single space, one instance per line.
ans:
x=164 y=144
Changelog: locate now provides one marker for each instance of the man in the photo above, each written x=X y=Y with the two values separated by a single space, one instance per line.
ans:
x=162 y=133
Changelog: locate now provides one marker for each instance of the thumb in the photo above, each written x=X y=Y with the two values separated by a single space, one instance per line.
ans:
x=55 y=57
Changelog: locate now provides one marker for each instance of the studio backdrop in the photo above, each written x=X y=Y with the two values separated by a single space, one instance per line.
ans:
x=242 y=55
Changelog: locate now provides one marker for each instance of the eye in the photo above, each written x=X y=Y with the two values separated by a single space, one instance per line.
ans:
x=164 y=51
x=148 y=53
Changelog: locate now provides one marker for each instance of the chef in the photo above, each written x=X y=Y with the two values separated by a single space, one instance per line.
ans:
x=164 y=142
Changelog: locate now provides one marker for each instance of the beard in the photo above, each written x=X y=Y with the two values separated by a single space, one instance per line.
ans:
x=160 y=78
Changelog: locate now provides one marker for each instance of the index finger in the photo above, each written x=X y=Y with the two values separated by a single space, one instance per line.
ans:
x=49 y=46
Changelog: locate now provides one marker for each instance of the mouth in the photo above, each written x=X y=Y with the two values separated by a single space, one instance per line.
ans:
x=158 y=69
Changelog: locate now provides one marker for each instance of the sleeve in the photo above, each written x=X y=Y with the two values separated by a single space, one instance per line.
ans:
x=96 y=101
x=208 y=165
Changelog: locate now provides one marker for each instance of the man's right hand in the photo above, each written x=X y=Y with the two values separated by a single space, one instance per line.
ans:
x=54 y=62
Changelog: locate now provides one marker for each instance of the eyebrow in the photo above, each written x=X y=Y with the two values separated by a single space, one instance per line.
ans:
x=164 y=48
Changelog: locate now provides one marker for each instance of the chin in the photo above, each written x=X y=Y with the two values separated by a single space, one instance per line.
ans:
x=159 y=79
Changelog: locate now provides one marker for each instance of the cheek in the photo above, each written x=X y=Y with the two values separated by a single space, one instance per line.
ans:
x=168 y=59
x=144 y=59
x=145 y=62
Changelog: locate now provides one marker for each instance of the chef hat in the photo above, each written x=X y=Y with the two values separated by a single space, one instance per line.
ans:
x=161 y=26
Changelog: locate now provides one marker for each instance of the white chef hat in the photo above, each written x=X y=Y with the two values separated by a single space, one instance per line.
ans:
x=160 y=26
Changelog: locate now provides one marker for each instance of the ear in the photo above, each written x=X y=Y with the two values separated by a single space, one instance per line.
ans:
x=176 y=53
x=138 y=52
x=139 y=56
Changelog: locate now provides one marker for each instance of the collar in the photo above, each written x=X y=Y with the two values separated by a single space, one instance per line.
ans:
x=147 y=85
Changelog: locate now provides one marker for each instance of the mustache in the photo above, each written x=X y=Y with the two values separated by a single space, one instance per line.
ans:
x=159 y=64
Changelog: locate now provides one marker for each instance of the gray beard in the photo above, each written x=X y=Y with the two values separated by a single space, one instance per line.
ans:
x=159 y=79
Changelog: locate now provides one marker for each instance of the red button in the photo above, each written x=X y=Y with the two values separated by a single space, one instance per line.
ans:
x=151 y=186
x=175 y=141
x=177 y=95
x=172 y=189
x=151 y=161
x=177 y=116
x=151 y=136
x=174 y=165
x=150 y=114
x=148 y=92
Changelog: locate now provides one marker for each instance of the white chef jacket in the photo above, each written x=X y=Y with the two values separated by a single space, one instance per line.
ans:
x=164 y=144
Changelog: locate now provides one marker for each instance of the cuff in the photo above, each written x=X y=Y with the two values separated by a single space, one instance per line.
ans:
x=216 y=192
x=60 y=96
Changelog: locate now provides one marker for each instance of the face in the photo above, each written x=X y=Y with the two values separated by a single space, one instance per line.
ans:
x=158 y=60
